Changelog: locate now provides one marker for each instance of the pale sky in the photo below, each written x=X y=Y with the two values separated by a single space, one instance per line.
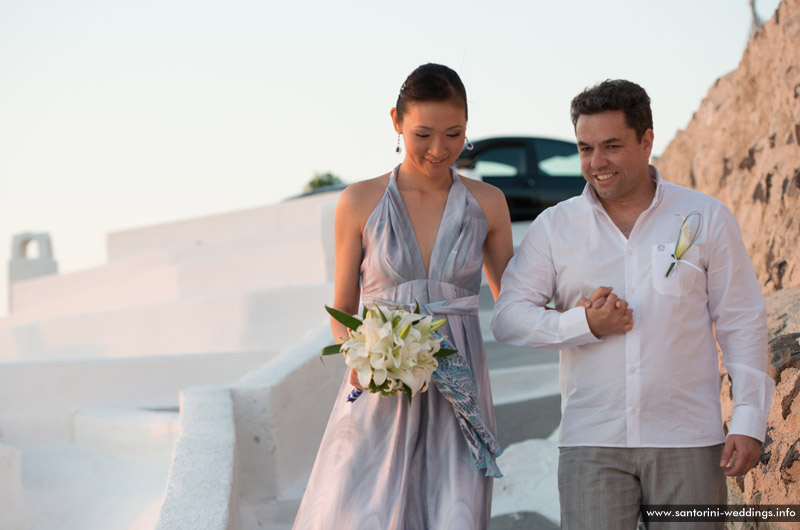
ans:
x=116 y=115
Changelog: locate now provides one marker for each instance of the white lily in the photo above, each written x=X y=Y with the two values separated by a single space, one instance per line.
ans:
x=686 y=238
x=391 y=350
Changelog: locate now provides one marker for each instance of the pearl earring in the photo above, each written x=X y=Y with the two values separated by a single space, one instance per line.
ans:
x=397 y=149
x=468 y=144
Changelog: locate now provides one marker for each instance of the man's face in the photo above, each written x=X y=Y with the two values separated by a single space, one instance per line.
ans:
x=613 y=161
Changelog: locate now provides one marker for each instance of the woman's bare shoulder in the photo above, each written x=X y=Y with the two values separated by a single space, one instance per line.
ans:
x=361 y=198
x=489 y=197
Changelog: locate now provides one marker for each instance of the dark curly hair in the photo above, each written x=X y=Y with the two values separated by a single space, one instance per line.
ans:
x=431 y=82
x=616 y=94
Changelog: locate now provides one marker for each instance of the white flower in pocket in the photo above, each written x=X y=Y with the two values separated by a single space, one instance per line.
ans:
x=690 y=229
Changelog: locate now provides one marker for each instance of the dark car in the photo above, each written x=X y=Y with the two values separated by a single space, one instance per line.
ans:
x=533 y=173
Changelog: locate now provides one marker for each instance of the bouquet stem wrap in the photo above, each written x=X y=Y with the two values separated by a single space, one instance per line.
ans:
x=454 y=380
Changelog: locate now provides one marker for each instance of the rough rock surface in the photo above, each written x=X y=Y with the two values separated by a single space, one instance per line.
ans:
x=743 y=147
x=776 y=478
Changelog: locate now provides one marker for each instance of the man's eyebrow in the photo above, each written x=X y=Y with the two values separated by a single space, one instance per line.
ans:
x=608 y=141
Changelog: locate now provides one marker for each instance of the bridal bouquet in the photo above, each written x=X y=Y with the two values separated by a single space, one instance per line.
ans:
x=391 y=350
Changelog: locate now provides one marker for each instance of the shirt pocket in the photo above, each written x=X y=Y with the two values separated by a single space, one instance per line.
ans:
x=684 y=274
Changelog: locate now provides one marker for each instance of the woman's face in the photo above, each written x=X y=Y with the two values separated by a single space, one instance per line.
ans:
x=433 y=134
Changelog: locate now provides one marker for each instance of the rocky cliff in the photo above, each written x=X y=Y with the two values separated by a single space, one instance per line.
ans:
x=776 y=478
x=743 y=147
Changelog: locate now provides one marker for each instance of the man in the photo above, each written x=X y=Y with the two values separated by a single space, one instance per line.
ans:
x=641 y=420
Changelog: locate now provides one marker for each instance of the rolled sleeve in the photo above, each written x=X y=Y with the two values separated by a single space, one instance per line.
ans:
x=521 y=317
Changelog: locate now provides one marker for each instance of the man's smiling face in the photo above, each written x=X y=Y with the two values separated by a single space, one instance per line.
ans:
x=613 y=160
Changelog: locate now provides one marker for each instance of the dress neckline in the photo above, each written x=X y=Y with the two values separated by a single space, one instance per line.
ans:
x=447 y=207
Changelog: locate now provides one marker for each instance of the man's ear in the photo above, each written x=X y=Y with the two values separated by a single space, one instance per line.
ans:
x=395 y=120
x=647 y=142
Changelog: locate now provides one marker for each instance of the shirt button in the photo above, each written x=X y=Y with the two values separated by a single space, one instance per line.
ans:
x=630 y=252
x=632 y=290
x=633 y=369
x=633 y=410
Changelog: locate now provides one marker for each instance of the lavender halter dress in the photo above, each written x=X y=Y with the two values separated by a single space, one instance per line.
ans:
x=384 y=464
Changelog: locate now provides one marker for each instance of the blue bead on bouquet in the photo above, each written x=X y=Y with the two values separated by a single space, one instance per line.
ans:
x=354 y=394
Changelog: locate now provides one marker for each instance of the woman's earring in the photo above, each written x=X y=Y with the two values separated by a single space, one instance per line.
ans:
x=468 y=145
x=397 y=149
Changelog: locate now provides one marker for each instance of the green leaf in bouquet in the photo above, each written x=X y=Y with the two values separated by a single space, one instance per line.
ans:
x=404 y=331
x=364 y=312
x=332 y=349
x=383 y=317
x=444 y=352
x=343 y=318
x=395 y=321
x=408 y=393
x=416 y=307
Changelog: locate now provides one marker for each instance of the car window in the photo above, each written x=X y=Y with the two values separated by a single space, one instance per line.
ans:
x=500 y=162
x=557 y=158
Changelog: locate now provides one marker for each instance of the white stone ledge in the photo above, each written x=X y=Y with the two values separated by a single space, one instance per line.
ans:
x=31 y=293
x=201 y=486
x=243 y=321
x=130 y=430
x=279 y=413
x=14 y=513
x=153 y=281
x=283 y=222
x=38 y=400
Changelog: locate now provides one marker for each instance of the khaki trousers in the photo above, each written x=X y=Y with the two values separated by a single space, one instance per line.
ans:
x=604 y=487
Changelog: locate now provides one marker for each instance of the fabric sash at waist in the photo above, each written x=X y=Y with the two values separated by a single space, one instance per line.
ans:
x=464 y=305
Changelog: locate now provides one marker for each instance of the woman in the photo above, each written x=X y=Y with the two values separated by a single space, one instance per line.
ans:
x=420 y=233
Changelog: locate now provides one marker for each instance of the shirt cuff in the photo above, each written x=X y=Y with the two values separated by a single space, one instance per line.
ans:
x=573 y=326
x=750 y=421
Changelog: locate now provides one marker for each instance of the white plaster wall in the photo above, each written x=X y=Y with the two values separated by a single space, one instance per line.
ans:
x=13 y=509
x=39 y=400
x=128 y=430
x=142 y=287
x=201 y=489
x=284 y=222
x=38 y=292
x=266 y=319
x=281 y=412
x=263 y=455
x=8 y=350
x=296 y=263
x=286 y=244
x=195 y=286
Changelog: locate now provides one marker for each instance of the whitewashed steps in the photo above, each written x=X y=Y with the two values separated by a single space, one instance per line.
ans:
x=127 y=430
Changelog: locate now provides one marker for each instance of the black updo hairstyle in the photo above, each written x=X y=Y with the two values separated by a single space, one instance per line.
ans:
x=431 y=82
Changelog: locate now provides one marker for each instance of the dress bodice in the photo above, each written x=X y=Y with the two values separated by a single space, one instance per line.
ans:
x=392 y=267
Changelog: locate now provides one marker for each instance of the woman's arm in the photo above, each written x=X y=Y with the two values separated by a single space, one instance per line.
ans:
x=347 y=264
x=352 y=211
x=498 y=247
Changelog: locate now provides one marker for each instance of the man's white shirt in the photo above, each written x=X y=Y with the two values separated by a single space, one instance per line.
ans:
x=657 y=385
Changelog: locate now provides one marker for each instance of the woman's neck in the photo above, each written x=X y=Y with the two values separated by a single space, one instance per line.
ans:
x=412 y=181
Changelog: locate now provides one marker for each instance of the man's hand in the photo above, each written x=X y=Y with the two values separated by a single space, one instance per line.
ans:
x=606 y=313
x=741 y=453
